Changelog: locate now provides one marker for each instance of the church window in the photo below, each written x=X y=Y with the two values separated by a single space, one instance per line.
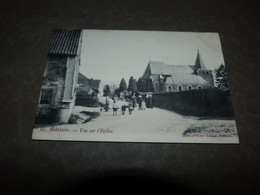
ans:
x=46 y=96
x=169 y=88
x=190 y=88
x=180 y=88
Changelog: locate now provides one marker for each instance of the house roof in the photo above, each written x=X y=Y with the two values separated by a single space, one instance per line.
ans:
x=158 y=67
x=65 y=42
x=87 y=83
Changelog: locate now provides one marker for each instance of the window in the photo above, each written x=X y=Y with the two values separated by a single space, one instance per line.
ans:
x=190 y=88
x=169 y=88
x=46 y=96
x=199 y=87
x=180 y=88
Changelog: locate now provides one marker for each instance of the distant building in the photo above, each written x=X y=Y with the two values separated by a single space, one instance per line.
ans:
x=58 y=91
x=89 y=91
x=174 y=78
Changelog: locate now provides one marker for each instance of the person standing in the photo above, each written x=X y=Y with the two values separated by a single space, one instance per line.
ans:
x=139 y=102
x=149 y=100
x=123 y=108
x=107 y=104
x=143 y=105
x=115 y=107
x=130 y=107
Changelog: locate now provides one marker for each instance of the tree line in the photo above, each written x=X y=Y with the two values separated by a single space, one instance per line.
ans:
x=146 y=85
x=142 y=85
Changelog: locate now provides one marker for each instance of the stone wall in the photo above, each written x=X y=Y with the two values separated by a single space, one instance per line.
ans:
x=205 y=102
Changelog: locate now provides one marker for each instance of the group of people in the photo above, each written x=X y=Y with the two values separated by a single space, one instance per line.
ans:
x=129 y=104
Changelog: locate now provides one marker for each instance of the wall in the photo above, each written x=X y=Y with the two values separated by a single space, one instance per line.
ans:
x=69 y=79
x=205 y=102
x=85 y=99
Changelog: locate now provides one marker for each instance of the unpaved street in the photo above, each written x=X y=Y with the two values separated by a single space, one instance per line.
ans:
x=149 y=125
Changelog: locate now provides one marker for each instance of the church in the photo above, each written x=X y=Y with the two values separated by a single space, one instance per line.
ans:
x=175 y=78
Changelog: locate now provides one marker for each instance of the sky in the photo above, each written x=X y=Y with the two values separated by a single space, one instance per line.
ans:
x=110 y=55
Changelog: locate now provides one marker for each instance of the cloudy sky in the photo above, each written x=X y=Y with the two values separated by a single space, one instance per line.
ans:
x=111 y=55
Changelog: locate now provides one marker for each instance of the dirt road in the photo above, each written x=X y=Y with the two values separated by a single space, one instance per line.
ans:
x=150 y=125
x=158 y=122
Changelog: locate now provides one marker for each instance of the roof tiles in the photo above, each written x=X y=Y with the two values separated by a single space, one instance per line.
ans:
x=65 y=42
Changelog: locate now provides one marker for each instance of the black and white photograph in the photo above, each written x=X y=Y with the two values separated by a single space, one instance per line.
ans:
x=135 y=86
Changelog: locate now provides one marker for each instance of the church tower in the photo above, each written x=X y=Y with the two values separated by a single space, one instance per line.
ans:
x=201 y=70
x=199 y=64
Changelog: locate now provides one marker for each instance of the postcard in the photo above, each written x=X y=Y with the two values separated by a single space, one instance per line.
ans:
x=135 y=86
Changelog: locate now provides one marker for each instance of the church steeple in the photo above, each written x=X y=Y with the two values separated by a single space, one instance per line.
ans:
x=200 y=70
x=199 y=64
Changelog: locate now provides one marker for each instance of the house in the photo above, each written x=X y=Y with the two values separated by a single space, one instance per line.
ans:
x=89 y=91
x=60 y=81
x=174 y=78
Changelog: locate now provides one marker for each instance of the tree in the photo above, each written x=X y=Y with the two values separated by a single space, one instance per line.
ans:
x=132 y=86
x=221 y=77
x=122 y=85
x=141 y=85
x=107 y=90
x=145 y=85
x=117 y=92
x=149 y=85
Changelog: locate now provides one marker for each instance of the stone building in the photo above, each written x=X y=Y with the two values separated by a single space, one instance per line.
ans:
x=89 y=91
x=174 y=78
x=60 y=81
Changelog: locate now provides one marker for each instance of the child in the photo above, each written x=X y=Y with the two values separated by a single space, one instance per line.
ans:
x=115 y=107
x=123 y=108
x=131 y=107
x=143 y=105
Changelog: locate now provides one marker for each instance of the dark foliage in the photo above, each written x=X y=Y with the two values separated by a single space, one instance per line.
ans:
x=221 y=77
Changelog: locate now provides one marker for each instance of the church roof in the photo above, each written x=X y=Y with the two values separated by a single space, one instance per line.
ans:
x=158 y=67
x=183 y=74
x=65 y=42
x=186 y=79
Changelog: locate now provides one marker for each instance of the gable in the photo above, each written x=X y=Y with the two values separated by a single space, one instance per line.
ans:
x=147 y=72
x=157 y=67
x=88 y=84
